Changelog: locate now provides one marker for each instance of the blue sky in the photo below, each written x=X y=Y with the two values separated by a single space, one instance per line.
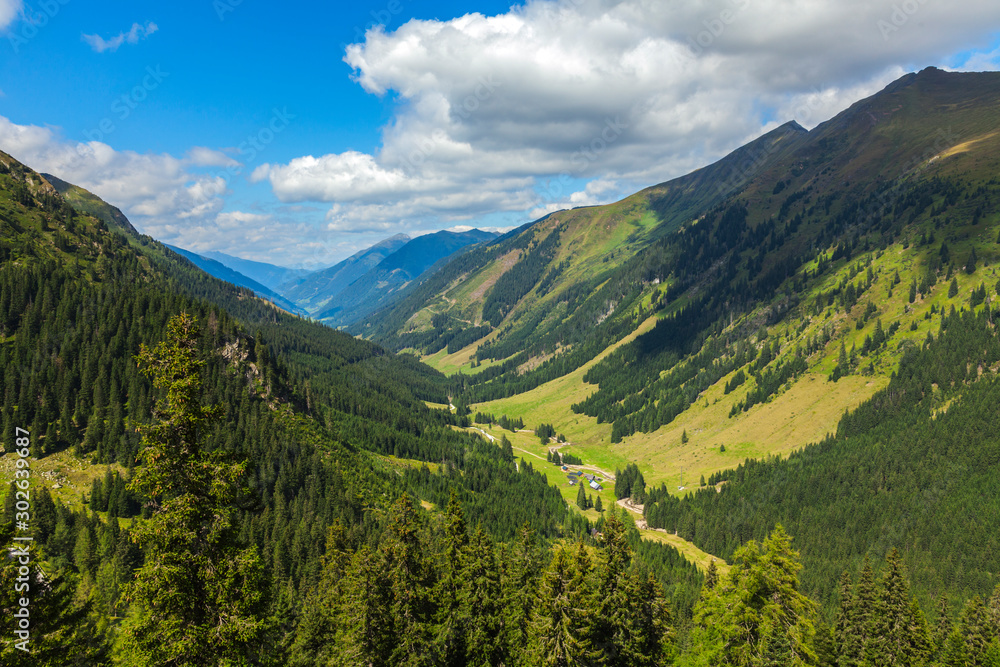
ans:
x=299 y=134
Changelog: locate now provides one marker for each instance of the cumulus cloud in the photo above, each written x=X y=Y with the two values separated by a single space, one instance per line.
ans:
x=9 y=10
x=980 y=62
x=209 y=157
x=628 y=92
x=134 y=34
x=156 y=187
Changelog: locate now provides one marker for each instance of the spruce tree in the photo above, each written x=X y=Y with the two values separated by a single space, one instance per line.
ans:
x=366 y=626
x=560 y=636
x=943 y=628
x=976 y=629
x=581 y=496
x=970 y=264
x=900 y=634
x=199 y=597
x=757 y=612
x=481 y=600
x=711 y=575
x=451 y=638
x=954 y=652
x=519 y=589
x=411 y=579
x=826 y=651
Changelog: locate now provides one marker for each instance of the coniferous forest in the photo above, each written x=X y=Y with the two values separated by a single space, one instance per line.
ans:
x=264 y=490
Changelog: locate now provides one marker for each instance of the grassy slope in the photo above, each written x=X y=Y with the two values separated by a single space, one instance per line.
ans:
x=596 y=240
x=909 y=144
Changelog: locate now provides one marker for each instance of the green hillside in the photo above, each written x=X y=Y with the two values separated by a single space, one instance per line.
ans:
x=320 y=446
x=690 y=336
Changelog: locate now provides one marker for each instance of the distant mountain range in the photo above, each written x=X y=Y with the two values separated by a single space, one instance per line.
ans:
x=223 y=272
x=386 y=282
x=356 y=287
x=315 y=291
x=269 y=275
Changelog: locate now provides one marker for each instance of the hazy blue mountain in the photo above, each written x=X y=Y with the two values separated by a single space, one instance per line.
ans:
x=382 y=285
x=223 y=272
x=314 y=291
x=268 y=275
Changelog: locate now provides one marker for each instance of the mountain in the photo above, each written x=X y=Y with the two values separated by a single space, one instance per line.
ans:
x=588 y=246
x=740 y=311
x=314 y=291
x=90 y=203
x=223 y=272
x=268 y=275
x=322 y=441
x=816 y=337
x=383 y=284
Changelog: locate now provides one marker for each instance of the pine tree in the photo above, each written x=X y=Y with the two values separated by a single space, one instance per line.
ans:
x=757 y=612
x=411 y=579
x=367 y=623
x=684 y=437
x=953 y=288
x=581 y=496
x=451 y=637
x=198 y=593
x=519 y=589
x=711 y=575
x=598 y=505
x=913 y=290
x=560 y=635
x=481 y=602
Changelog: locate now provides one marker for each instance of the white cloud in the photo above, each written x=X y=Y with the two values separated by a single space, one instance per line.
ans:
x=134 y=34
x=981 y=62
x=153 y=187
x=626 y=91
x=201 y=156
x=9 y=10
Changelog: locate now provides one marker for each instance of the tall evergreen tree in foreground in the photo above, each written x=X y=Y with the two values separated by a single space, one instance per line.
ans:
x=199 y=597
x=756 y=615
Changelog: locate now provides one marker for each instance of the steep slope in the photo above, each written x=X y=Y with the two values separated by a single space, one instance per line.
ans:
x=268 y=275
x=536 y=277
x=315 y=291
x=382 y=285
x=223 y=272
x=748 y=329
x=89 y=203
x=334 y=431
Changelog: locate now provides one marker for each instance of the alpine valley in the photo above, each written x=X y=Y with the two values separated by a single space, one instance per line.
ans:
x=744 y=417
